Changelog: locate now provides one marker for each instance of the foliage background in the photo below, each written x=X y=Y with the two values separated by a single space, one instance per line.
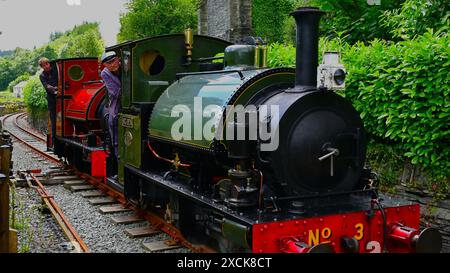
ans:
x=402 y=91
x=34 y=95
x=354 y=20
x=269 y=24
x=19 y=79
x=82 y=41
x=396 y=55
x=150 y=18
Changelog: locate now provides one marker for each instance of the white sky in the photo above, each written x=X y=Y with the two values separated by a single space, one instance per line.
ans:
x=28 y=23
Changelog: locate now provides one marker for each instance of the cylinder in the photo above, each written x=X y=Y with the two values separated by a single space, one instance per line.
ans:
x=307 y=43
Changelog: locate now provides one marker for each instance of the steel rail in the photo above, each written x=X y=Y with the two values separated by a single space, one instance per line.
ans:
x=16 y=123
x=49 y=200
x=40 y=152
x=154 y=219
x=59 y=215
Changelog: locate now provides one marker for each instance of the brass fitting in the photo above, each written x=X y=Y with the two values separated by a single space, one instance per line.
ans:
x=189 y=43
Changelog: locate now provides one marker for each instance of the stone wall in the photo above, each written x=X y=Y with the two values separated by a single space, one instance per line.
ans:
x=226 y=19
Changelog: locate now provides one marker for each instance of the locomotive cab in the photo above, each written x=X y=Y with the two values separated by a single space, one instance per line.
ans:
x=79 y=108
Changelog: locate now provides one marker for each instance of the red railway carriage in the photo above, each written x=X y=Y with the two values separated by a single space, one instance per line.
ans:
x=80 y=113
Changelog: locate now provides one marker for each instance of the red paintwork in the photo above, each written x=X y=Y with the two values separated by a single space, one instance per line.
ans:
x=68 y=124
x=401 y=238
x=293 y=245
x=98 y=163
x=71 y=88
x=59 y=116
x=84 y=103
x=77 y=100
x=77 y=103
x=96 y=100
x=276 y=237
x=90 y=69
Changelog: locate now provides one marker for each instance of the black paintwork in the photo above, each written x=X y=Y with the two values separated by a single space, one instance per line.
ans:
x=331 y=204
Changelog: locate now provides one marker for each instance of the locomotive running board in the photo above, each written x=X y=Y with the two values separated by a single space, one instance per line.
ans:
x=183 y=190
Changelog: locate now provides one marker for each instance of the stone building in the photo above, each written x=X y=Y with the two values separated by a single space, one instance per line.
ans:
x=226 y=19
x=18 y=89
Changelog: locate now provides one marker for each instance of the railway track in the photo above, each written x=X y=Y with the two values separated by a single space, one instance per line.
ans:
x=15 y=124
x=37 y=143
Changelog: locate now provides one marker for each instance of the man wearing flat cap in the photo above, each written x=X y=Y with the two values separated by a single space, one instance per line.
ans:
x=111 y=78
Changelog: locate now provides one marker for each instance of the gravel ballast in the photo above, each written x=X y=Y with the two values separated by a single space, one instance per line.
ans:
x=39 y=233
x=36 y=228
x=97 y=229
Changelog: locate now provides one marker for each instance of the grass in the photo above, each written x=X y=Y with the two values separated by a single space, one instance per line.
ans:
x=8 y=97
x=9 y=103
x=21 y=221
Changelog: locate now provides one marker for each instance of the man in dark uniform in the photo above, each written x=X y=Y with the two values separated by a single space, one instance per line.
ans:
x=49 y=79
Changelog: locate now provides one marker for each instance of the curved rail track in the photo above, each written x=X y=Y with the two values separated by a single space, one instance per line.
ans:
x=37 y=143
x=26 y=136
x=28 y=130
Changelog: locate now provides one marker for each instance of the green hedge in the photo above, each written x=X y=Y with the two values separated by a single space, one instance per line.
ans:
x=34 y=95
x=402 y=92
x=269 y=18
x=281 y=55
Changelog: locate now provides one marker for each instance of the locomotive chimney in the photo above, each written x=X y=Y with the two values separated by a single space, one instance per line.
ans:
x=307 y=21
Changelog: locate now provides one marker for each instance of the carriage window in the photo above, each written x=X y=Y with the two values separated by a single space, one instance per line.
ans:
x=151 y=62
x=75 y=73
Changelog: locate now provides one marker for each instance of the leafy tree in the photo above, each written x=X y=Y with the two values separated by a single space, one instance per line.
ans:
x=87 y=44
x=46 y=51
x=83 y=28
x=268 y=23
x=19 y=79
x=281 y=55
x=55 y=35
x=354 y=20
x=6 y=73
x=23 y=61
x=155 y=17
x=5 y=53
x=20 y=62
x=401 y=91
x=82 y=41
x=415 y=17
